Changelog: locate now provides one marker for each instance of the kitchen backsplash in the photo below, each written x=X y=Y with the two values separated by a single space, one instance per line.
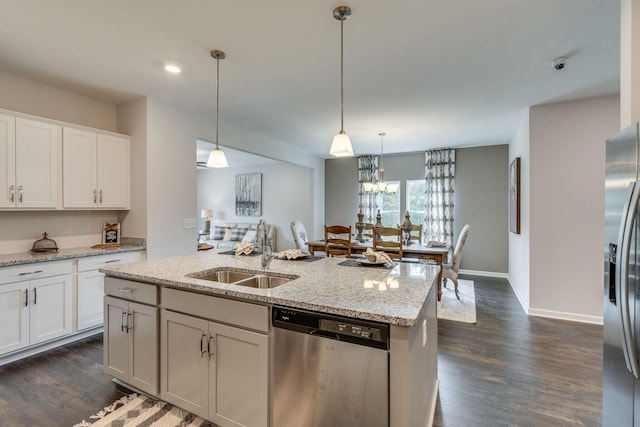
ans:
x=18 y=230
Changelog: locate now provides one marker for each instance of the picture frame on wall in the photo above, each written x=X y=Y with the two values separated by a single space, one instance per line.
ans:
x=111 y=234
x=249 y=194
x=514 y=196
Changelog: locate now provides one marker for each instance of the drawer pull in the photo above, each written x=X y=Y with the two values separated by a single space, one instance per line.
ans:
x=112 y=260
x=126 y=290
x=26 y=297
x=29 y=272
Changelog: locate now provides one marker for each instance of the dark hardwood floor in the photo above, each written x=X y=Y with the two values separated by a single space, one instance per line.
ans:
x=511 y=369
x=507 y=370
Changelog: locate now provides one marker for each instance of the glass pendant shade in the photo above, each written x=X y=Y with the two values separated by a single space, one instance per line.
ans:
x=341 y=145
x=217 y=159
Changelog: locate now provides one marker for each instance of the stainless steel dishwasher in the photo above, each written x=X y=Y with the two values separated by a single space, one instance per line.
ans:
x=329 y=371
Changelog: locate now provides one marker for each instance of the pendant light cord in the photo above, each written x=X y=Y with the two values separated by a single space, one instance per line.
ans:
x=217 y=97
x=342 y=75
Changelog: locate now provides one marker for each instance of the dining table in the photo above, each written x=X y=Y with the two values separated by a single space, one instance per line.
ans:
x=413 y=251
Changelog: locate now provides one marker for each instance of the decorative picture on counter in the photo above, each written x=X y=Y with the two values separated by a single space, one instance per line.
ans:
x=249 y=194
x=111 y=234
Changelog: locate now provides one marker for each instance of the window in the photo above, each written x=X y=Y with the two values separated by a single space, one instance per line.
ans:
x=415 y=200
x=389 y=205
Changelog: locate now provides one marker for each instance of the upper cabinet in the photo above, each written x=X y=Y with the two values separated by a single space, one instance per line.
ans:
x=95 y=170
x=29 y=160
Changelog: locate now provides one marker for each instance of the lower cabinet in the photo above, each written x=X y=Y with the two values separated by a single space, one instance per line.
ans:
x=35 y=304
x=91 y=286
x=131 y=343
x=214 y=370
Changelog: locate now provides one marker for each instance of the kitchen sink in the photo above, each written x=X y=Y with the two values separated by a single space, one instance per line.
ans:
x=248 y=278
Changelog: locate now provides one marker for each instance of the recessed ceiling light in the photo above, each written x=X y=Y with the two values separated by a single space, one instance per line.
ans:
x=173 y=69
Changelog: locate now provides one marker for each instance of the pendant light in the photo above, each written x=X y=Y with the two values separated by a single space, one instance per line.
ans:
x=381 y=186
x=217 y=159
x=341 y=145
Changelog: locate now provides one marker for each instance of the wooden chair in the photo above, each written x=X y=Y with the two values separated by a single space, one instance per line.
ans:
x=388 y=240
x=450 y=271
x=368 y=230
x=337 y=240
x=416 y=233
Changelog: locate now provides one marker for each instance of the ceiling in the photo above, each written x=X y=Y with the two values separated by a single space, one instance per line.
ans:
x=428 y=73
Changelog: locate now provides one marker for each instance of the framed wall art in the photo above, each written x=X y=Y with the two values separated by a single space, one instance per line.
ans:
x=249 y=194
x=514 y=196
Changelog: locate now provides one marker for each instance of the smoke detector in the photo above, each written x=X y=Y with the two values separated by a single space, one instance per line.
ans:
x=559 y=63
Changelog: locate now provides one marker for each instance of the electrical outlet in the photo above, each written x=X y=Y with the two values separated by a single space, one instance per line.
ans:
x=189 y=223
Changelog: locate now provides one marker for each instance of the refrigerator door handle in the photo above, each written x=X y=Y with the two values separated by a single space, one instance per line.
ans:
x=622 y=276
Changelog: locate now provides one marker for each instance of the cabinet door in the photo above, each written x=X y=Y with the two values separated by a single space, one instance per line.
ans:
x=37 y=155
x=143 y=347
x=113 y=172
x=116 y=339
x=90 y=304
x=79 y=168
x=14 y=316
x=184 y=362
x=239 y=377
x=50 y=308
x=7 y=161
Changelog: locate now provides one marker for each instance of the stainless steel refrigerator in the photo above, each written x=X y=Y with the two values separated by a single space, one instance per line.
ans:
x=621 y=386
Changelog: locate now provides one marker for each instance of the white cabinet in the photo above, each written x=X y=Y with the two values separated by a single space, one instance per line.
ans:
x=35 y=304
x=95 y=170
x=217 y=371
x=131 y=334
x=90 y=286
x=29 y=160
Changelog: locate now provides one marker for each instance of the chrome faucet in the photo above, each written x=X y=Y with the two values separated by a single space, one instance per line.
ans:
x=267 y=255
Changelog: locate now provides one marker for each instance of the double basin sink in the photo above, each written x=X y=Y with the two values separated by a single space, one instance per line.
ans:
x=249 y=278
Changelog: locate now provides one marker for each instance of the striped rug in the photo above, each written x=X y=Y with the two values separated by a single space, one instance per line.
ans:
x=141 y=411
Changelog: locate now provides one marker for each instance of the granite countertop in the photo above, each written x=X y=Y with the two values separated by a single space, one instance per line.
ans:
x=393 y=296
x=61 y=254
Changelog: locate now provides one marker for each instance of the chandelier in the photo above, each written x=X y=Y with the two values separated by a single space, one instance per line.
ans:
x=380 y=186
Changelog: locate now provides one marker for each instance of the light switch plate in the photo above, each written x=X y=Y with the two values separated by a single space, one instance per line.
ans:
x=189 y=223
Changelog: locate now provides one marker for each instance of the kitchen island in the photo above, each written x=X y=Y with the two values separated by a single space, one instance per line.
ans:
x=402 y=297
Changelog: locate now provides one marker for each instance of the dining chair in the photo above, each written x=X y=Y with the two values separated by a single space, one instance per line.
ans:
x=299 y=236
x=388 y=240
x=415 y=234
x=450 y=271
x=368 y=230
x=337 y=240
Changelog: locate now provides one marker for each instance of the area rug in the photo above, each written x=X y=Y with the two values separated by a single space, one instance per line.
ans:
x=460 y=310
x=138 y=411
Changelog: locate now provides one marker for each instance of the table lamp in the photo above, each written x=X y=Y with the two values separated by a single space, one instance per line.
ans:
x=207 y=214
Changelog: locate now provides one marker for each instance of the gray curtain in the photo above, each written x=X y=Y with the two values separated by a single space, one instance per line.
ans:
x=440 y=168
x=367 y=172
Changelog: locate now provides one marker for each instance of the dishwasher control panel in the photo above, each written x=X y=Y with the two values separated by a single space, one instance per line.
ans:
x=356 y=331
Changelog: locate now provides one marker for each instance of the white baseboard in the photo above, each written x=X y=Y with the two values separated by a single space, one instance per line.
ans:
x=574 y=317
x=484 y=273
x=30 y=351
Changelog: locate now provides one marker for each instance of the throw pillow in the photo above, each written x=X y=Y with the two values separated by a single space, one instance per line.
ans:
x=218 y=232
x=237 y=234
x=251 y=236
x=227 y=235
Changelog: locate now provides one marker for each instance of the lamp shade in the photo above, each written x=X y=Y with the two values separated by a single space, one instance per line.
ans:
x=217 y=159
x=206 y=213
x=341 y=145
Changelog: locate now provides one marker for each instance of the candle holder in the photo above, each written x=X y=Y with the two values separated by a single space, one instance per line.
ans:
x=407 y=227
x=360 y=227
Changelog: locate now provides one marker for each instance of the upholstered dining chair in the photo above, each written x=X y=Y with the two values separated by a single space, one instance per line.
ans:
x=299 y=236
x=450 y=271
x=388 y=240
x=337 y=240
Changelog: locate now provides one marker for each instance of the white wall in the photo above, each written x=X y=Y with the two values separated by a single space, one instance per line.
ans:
x=287 y=195
x=567 y=157
x=519 y=243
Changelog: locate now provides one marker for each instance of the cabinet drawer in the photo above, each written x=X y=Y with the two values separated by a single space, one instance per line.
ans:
x=130 y=290
x=99 y=261
x=237 y=313
x=36 y=270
